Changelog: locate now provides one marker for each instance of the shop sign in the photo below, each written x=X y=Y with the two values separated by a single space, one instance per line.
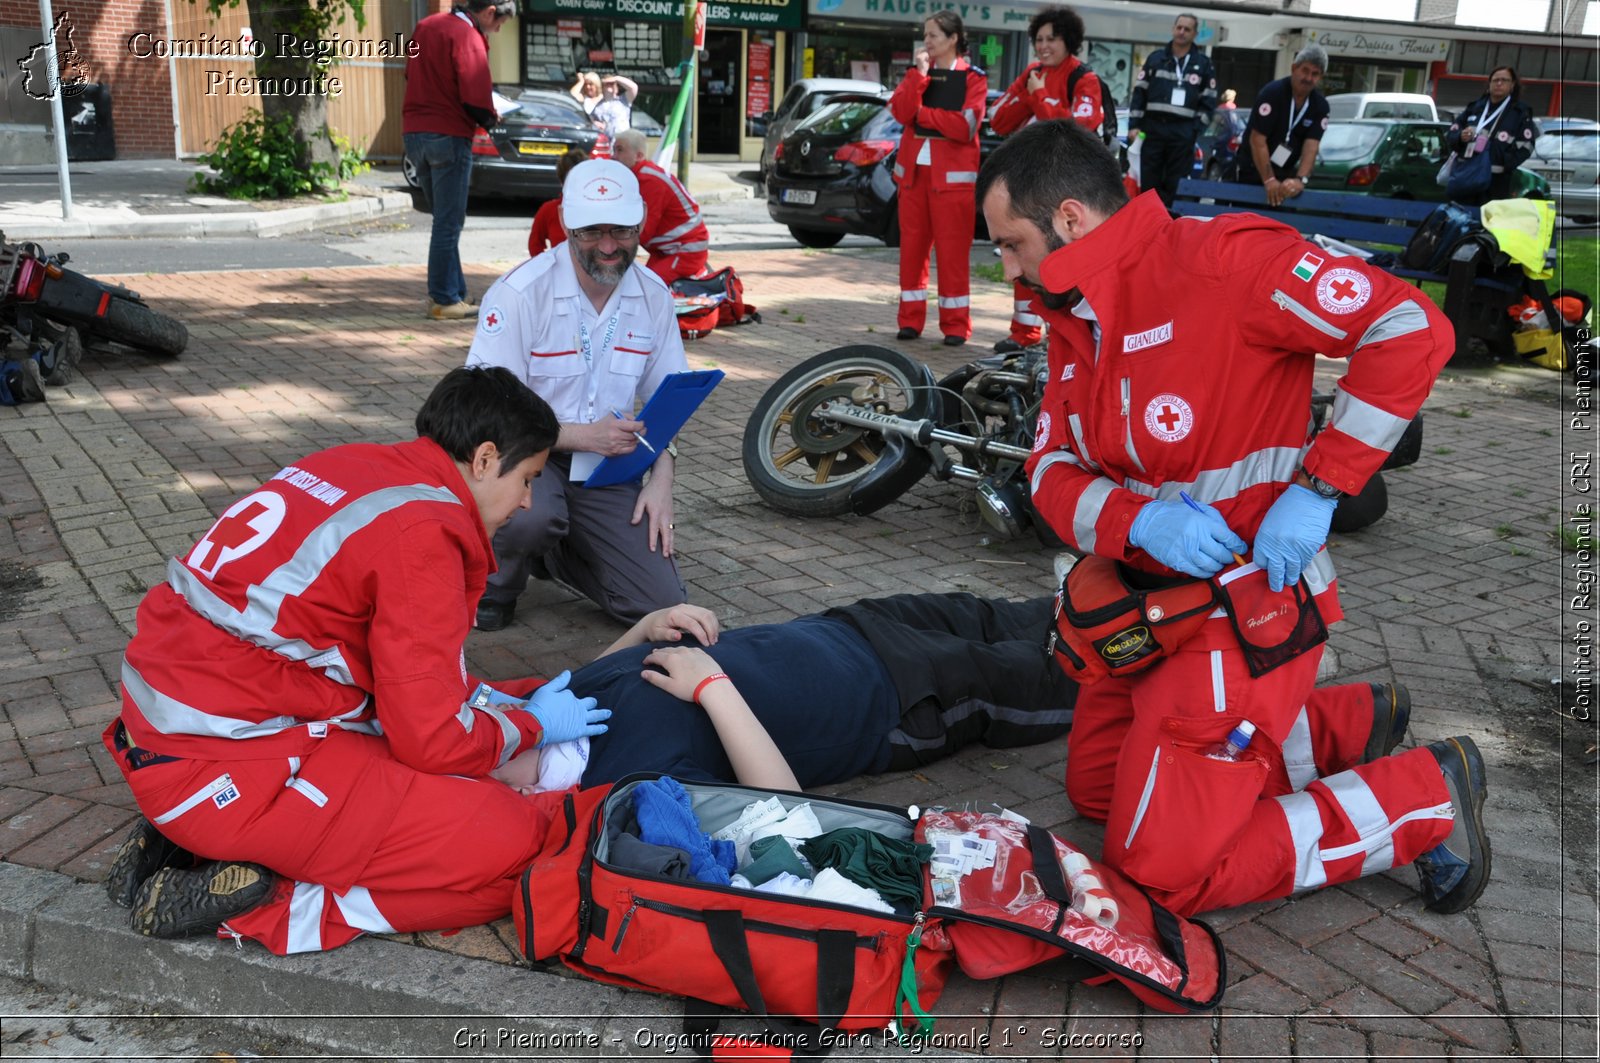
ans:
x=1377 y=46
x=569 y=29
x=764 y=14
x=973 y=15
x=758 y=89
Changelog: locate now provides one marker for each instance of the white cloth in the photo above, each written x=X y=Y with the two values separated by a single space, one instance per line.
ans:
x=763 y=819
x=561 y=765
x=529 y=323
x=829 y=886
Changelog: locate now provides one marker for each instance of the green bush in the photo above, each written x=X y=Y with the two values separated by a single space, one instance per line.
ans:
x=259 y=158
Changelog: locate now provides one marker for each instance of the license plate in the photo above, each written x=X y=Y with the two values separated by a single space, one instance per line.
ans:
x=1557 y=175
x=541 y=147
x=803 y=196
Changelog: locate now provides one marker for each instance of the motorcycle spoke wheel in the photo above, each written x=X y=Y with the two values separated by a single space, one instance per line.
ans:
x=804 y=464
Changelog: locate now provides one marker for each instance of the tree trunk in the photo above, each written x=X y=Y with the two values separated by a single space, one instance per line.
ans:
x=308 y=106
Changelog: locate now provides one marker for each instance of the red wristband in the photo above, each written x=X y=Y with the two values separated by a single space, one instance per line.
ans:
x=707 y=681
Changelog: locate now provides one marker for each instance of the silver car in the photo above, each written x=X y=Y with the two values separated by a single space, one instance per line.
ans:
x=1567 y=154
x=803 y=99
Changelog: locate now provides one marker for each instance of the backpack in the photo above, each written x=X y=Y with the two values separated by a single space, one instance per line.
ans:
x=1437 y=238
x=1108 y=103
x=712 y=301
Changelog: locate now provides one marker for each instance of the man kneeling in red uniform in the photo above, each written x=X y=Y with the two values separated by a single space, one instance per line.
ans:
x=296 y=696
x=674 y=234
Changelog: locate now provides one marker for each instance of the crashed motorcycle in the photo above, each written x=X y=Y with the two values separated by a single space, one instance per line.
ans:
x=48 y=313
x=854 y=428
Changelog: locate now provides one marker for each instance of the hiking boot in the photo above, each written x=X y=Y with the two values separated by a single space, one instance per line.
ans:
x=1454 y=872
x=57 y=361
x=175 y=903
x=144 y=852
x=493 y=615
x=1391 y=714
x=453 y=312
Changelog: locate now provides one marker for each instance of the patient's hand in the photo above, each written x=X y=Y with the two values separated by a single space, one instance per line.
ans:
x=674 y=622
x=682 y=669
x=521 y=772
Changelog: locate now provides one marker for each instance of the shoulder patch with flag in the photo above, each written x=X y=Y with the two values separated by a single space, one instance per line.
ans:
x=1307 y=267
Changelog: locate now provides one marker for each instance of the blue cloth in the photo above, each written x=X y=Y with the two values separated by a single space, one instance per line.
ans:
x=444 y=170
x=667 y=818
x=814 y=683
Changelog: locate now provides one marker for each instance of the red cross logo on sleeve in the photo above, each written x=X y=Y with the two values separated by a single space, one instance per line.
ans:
x=247 y=524
x=1343 y=291
x=492 y=320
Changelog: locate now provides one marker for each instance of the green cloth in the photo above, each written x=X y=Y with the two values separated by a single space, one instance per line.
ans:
x=867 y=858
x=771 y=857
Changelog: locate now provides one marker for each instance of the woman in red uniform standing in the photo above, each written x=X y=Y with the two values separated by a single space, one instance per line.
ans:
x=937 y=168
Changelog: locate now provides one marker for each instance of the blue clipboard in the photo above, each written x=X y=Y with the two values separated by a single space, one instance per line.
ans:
x=667 y=411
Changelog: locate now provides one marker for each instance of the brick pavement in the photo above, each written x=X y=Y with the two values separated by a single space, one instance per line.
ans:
x=1455 y=593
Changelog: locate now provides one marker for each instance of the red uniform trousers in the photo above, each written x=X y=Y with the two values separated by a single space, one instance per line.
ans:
x=361 y=842
x=1027 y=327
x=670 y=267
x=941 y=222
x=1294 y=813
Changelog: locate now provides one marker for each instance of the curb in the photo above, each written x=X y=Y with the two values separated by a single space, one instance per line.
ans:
x=235 y=223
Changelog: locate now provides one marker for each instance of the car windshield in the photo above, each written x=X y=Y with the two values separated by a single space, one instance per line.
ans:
x=543 y=110
x=1342 y=143
x=844 y=117
x=1575 y=145
x=1397 y=109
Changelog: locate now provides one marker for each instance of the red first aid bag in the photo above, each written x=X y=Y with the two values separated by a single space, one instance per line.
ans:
x=838 y=965
x=713 y=301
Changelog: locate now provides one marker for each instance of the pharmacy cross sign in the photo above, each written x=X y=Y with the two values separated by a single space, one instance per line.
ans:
x=990 y=50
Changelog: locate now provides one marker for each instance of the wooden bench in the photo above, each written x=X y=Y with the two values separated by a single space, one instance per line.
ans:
x=1476 y=292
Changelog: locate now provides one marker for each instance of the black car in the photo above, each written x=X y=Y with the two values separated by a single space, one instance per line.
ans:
x=834 y=175
x=517 y=158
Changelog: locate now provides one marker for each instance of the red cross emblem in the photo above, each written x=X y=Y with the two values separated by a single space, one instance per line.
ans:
x=1343 y=290
x=1168 y=417
x=603 y=190
x=492 y=320
x=247 y=524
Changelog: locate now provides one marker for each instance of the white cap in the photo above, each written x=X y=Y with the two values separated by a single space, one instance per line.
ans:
x=600 y=192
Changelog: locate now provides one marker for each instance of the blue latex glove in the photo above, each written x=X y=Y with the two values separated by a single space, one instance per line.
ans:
x=563 y=715
x=1196 y=541
x=1292 y=532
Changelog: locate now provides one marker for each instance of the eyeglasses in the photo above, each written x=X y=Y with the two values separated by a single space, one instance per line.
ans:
x=595 y=233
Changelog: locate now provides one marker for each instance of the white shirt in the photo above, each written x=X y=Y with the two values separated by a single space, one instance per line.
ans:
x=534 y=320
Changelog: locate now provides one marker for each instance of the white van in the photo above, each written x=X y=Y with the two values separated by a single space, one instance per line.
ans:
x=1344 y=106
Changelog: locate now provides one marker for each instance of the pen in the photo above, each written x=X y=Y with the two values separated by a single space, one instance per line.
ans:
x=644 y=442
x=1192 y=504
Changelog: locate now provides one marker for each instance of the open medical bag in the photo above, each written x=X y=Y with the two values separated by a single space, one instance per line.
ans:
x=987 y=904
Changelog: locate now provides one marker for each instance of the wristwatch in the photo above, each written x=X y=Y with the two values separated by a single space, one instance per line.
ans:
x=1322 y=487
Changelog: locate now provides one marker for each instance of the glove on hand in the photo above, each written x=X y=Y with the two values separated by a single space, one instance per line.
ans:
x=563 y=715
x=1291 y=533
x=1193 y=541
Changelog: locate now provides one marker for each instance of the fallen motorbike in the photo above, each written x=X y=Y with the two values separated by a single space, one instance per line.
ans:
x=48 y=312
x=854 y=428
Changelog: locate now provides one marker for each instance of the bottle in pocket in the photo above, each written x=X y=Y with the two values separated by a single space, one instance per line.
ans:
x=1237 y=741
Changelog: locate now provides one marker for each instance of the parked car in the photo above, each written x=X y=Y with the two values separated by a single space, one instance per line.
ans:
x=1567 y=155
x=1395 y=158
x=1219 y=143
x=834 y=175
x=804 y=98
x=516 y=159
x=1344 y=106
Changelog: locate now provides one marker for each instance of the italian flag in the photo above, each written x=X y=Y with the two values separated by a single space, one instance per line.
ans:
x=1308 y=266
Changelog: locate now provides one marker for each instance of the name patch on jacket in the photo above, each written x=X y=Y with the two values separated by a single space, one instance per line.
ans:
x=1138 y=341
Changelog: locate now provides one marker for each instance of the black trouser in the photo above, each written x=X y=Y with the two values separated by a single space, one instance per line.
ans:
x=967 y=669
x=1167 y=156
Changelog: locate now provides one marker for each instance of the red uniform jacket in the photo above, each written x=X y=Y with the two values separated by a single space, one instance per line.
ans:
x=672 y=224
x=1199 y=377
x=451 y=68
x=954 y=154
x=1019 y=107
x=547 y=231
x=339 y=594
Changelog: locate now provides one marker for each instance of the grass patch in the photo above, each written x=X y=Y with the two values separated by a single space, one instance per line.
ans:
x=1574 y=538
x=1504 y=531
x=1576 y=265
x=1462 y=413
x=1442 y=451
x=990 y=271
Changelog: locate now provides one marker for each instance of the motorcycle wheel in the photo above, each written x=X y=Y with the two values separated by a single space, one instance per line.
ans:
x=806 y=466
x=136 y=325
x=1355 y=512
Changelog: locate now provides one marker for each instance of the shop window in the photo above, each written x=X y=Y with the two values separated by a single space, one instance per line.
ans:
x=1471 y=57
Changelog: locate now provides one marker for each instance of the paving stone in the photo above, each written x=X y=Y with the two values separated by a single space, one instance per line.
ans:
x=1454 y=968
x=1319 y=916
x=1381 y=972
x=1475 y=1027
x=1328 y=1040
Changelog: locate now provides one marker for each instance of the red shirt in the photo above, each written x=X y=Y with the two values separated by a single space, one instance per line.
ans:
x=1019 y=107
x=451 y=68
x=1199 y=374
x=339 y=594
x=547 y=229
x=953 y=155
x=672 y=222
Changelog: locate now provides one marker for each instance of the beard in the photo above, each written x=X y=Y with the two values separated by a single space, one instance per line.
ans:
x=588 y=260
x=1053 y=300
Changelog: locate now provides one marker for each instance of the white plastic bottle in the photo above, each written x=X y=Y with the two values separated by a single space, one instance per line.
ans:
x=1237 y=741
